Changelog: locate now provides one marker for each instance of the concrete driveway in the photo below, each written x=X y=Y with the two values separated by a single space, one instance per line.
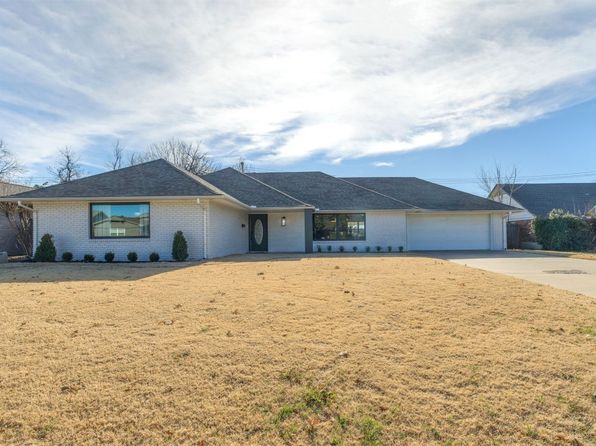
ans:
x=575 y=275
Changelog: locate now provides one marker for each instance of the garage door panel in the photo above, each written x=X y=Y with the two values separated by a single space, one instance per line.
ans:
x=448 y=232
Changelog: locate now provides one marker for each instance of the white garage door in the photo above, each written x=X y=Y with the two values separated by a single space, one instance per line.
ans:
x=447 y=232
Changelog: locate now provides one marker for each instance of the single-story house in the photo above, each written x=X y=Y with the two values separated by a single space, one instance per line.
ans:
x=537 y=200
x=8 y=234
x=139 y=208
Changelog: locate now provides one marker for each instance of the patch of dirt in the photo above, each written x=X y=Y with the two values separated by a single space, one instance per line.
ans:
x=339 y=350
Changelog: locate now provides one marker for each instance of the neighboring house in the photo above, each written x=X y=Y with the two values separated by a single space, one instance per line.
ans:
x=139 y=209
x=8 y=234
x=537 y=200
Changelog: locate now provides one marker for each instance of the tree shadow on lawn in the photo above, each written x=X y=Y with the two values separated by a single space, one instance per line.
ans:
x=36 y=272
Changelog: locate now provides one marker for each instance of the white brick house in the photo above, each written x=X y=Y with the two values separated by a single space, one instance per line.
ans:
x=139 y=209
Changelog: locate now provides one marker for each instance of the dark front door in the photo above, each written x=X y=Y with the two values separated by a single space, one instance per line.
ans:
x=257 y=224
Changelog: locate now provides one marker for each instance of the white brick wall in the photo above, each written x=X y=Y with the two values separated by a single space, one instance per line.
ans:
x=225 y=233
x=383 y=228
x=288 y=238
x=68 y=222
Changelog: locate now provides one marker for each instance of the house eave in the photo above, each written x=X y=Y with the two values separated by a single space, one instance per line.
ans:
x=99 y=199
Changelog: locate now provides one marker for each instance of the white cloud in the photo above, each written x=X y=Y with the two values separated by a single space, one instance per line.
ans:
x=383 y=164
x=284 y=81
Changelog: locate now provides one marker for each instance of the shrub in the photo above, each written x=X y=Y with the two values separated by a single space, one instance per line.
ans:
x=341 y=249
x=109 y=257
x=46 y=251
x=88 y=258
x=154 y=257
x=329 y=248
x=562 y=231
x=378 y=248
x=319 y=249
x=179 y=247
x=400 y=248
x=132 y=256
x=67 y=256
x=389 y=249
x=354 y=248
x=367 y=249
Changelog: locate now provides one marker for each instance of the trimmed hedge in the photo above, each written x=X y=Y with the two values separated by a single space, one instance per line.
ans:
x=67 y=256
x=179 y=247
x=46 y=251
x=562 y=231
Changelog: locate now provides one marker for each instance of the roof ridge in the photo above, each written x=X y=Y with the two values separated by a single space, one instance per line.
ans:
x=272 y=188
x=376 y=192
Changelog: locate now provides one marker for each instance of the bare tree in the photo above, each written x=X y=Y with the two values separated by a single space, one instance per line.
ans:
x=186 y=155
x=8 y=163
x=68 y=167
x=117 y=156
x=497 y=176
x=21 y=221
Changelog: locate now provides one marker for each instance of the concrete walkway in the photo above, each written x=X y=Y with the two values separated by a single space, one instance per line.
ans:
x=575 y=275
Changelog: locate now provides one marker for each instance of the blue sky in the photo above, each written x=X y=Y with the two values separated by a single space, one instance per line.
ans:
x=405 y=88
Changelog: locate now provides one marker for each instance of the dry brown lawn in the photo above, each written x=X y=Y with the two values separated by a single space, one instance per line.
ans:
x=318 y=350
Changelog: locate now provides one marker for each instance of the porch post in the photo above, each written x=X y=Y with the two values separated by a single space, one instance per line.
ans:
x=308 y=230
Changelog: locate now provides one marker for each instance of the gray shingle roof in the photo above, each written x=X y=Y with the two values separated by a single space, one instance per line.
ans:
x=152 y=179
x=540 y=199
x=427 y=195
x=250 y=191
x=326 y=192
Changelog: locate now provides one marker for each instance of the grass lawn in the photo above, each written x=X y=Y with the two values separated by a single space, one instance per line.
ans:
x=320 y=350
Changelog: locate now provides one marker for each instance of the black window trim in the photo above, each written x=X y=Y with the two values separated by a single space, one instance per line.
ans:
x=91 y=236
x=336 y=214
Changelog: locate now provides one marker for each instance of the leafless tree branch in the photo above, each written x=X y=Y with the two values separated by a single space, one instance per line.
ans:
x=67 y=167
x=8 y=163
x=186 y=155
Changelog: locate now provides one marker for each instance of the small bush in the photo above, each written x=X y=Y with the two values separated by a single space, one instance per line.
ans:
x=367 y=249
x=46 y=251
x=179 y=247
x=378 y=248
x=154 y=257
x=67 y=256
x=389 y=249
x=109 y=257
x=329 y=248
x=400 y=248
x=354 y=248
x=319 y=249
x=132 y=256
x=341 y=249
x=562 y=231
x=88 y=258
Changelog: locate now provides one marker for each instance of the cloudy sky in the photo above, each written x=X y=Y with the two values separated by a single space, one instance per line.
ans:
x=431 y=89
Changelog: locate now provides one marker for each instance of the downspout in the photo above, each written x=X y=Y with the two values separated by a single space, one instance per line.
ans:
x=205 y=229
x=35 y=223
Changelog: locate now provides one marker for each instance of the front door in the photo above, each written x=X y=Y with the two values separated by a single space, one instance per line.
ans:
x=257 y=224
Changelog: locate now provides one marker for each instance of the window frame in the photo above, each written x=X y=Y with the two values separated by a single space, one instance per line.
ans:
x=336 y=215
x=112 y=203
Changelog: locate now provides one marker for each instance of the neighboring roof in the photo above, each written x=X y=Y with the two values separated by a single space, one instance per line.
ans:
x=250 y=191
x=11 y=188
x=540 y=199
x=326 y=192
x=151 y=179
x=427 y=195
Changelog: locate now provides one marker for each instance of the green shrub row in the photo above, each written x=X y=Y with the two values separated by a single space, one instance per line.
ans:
x=46 y=251
x=562 y=231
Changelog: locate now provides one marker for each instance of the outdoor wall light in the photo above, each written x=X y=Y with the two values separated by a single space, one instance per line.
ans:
x=283 y=221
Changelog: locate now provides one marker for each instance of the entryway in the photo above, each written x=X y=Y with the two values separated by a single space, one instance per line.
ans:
x=257 y=233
